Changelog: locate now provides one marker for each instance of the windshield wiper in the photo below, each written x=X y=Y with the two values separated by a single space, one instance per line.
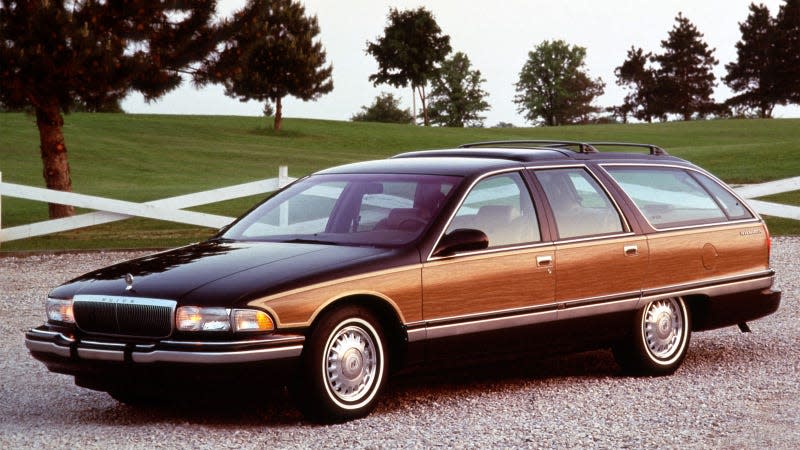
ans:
x=310 y=241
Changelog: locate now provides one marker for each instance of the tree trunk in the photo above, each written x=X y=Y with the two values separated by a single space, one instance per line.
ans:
x=278 y=115
x=425 y=120
x=54 y=154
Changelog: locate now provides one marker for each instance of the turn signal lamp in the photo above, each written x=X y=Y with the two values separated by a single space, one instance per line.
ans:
x=251 y=320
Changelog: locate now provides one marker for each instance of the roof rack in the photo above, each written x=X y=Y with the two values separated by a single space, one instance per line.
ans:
x=583 y=147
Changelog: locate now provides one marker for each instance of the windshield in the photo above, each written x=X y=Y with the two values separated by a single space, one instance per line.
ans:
x=349 y=209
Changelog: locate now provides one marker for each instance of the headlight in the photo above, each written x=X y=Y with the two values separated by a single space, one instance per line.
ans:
x=196 y=318
x=59 y=310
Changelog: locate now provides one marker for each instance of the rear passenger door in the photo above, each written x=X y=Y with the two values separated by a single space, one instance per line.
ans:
x=599 y=260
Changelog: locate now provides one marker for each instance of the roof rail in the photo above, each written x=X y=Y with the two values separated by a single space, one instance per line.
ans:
x=583 y=147
x=654 y=149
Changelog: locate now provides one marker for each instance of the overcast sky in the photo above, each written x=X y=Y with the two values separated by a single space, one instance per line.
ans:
x=496 y=36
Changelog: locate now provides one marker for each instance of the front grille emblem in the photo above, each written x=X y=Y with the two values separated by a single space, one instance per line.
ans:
x=128 y=282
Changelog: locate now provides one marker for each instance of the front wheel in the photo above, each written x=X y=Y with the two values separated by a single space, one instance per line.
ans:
x=660 y=339
x=344 y=366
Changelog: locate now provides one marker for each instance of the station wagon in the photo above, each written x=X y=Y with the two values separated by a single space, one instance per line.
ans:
x=488 y=250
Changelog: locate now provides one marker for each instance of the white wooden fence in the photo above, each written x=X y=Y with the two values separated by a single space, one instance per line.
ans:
x=109 y=210
x=171 y=209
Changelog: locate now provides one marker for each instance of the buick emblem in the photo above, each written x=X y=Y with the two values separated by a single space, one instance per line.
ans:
x=128 y=282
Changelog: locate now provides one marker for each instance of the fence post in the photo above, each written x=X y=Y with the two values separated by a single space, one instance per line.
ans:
x=1 y=212
x=283 y=175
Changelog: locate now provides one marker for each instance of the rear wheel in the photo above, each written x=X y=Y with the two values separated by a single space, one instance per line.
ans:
x=660 y=340
x=344 y=366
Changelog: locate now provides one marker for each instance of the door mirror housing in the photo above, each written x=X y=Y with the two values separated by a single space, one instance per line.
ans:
x=462 y=240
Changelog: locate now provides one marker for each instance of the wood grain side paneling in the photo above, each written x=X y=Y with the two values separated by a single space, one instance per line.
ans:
x=600 y=267
x=686 y=256
x=399 y=287
x=487 y=283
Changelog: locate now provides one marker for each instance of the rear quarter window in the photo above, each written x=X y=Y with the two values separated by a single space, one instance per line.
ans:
x=674 y=197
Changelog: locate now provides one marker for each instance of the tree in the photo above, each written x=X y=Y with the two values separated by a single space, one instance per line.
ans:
x=55 y=54
x=269 y=52
x=685 y=71
x=787 y=58
x=553 y=87
x=409 y=52
x=456 y=97
x=754 y=71
x=385 y=108
x=643 y=100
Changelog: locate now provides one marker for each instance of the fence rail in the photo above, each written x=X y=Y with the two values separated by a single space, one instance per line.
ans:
x=110 y=210
x=172 y=208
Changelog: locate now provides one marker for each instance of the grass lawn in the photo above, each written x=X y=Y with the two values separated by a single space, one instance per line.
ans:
x=147 y=157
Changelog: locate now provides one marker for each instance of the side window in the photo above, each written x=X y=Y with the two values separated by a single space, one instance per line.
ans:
x=501 y=207
x=580 y=206
x=672 y=197
x=731 y=205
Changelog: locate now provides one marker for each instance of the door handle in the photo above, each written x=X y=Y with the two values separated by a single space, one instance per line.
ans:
x=631 y=250
x=544 y=261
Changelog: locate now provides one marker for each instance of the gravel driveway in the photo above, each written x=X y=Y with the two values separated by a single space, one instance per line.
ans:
x=733 y=391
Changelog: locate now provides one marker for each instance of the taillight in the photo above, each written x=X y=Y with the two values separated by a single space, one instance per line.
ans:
x=769 y=240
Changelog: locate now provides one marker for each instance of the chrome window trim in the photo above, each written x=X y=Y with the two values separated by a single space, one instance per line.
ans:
x=756 y=217
x=517 y=170
x=491 y=250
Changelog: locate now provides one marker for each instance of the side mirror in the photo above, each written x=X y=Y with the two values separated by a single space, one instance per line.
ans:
x=462 y=240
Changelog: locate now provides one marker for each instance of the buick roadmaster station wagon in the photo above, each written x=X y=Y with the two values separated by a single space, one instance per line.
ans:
x=489 y=249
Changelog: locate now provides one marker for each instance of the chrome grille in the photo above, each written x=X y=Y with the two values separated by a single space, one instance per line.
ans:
x=124 y=316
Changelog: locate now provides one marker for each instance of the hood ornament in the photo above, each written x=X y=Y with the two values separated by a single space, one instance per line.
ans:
x=128 y=282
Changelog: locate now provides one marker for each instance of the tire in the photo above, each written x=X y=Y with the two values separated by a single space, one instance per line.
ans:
x=660 y=339
x=344 y=366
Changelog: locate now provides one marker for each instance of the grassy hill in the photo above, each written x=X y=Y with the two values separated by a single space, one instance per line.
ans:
x=147 y=157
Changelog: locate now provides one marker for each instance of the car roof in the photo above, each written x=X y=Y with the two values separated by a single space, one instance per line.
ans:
x=481 y=157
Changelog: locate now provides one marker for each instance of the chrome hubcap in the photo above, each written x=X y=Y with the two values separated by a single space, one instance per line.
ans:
x=351 y=363
x=663 y=328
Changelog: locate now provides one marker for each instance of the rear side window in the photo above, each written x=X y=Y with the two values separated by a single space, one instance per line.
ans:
x=673 y=197
x=580 y=206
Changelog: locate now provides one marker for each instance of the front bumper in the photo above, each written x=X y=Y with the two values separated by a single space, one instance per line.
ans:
x=72 y=355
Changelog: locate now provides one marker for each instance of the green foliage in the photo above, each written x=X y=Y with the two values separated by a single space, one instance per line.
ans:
x=753 y=72
x=456 y=98
x=59 y=52
x=643 y=100
x=270 y=52
x=385 y=108
x=553 y=87
x=409 y=52
x=155 y=157
x=685 y=75
x=56 y=54
x=678 y=81
x=787 y=24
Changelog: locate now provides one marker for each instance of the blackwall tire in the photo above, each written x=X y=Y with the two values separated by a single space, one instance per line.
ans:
x=660 y=339
x=344 y=366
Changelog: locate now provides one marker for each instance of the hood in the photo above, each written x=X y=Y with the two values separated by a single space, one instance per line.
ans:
x=221 y=273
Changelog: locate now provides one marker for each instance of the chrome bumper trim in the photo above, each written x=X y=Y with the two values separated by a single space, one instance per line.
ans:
x=265 y=354
x=53 y=343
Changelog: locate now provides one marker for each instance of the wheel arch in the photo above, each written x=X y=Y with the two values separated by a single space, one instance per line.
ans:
x=385 y=312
